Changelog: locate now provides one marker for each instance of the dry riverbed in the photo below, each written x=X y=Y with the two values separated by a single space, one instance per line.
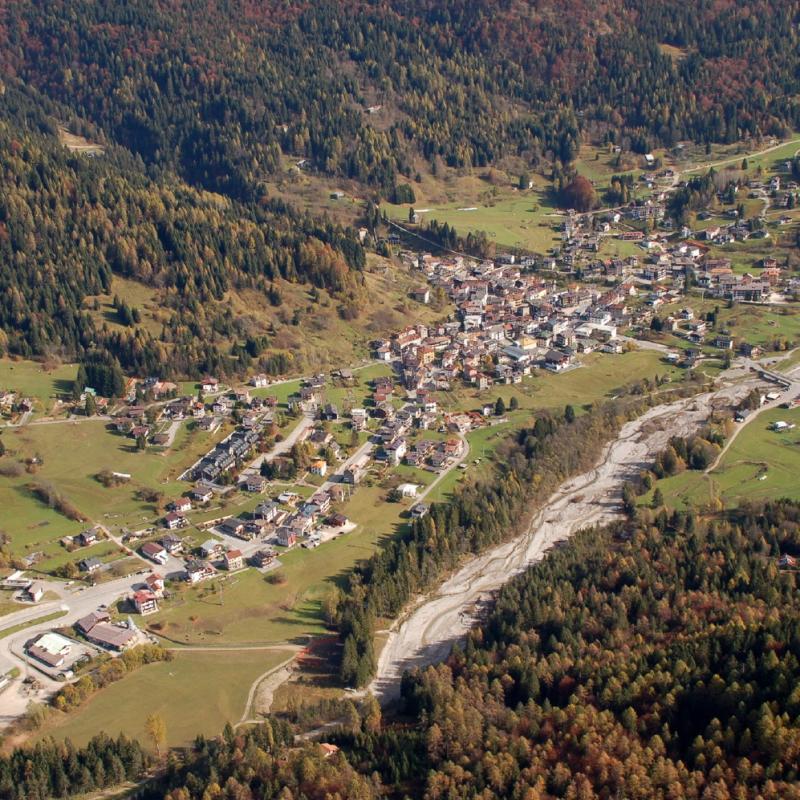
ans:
x=426 y=634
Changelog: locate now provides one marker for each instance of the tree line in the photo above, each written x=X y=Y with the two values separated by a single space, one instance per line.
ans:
x=483 y=513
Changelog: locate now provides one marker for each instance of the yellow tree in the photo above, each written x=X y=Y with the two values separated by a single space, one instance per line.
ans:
x=156 y=730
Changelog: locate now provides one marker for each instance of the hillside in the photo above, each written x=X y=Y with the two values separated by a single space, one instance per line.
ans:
x=656 y=659
x=202 y=281
x=156 y=142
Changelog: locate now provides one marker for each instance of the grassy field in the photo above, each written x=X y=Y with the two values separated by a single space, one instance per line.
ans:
x=755 y=324
x=250 y=609
x=72 y=455
x=196 y=692
x=760 y=465
x=42 y=382
x=526 y=220
x=790 y=362
x=599 y=378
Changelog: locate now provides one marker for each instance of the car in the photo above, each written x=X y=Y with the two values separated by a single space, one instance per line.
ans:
x=102 y=607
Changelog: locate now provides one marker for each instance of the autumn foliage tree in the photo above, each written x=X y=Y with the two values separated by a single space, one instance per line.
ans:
x=579 y=194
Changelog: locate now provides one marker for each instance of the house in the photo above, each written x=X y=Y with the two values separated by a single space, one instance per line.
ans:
x=337 y=520
x=328 y=750
x=140 y=431
x=155 y=583
x=749 y=350
x=395 y=451
x=419 y=511
x=171 y=543
x=90 y=565
x=255 y=484
x=260 y=381
x=354 y=473
x=202 y=493
x=210 y=548
x=233 y=526
x=145 y=602
x=408 y=489
x=263 y=558
x=85 y=624
x=174 y=521
x=155 y=552
x=358 y=419
x=422 y=295
x=322 y=502
x=267 y=511
x=49 y=648
x=86 y=538
x=209 y=385
x=787 y=561
x=339 y=492
x=234 y=560
x=181 y=505
x=557 y=360
x=34 y=593
x=16 y=580
x=286 y=536
x=197 y=571
x=452 y=448
x=724 y=342
x=330 y=412
x=112 y=637
x=319 y=467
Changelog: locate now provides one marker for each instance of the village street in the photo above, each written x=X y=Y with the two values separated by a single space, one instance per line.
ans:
x=77 y=601
x=297 y=433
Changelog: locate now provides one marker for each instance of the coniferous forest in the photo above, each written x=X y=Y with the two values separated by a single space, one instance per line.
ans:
x=196 y=105
x=655 y=659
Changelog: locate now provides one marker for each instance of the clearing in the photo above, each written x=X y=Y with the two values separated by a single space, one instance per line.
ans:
x=195 y=693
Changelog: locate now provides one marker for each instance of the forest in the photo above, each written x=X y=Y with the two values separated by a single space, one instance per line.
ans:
x=196 y=106
x=530 y=465
x=69 y=224
x=654 y=659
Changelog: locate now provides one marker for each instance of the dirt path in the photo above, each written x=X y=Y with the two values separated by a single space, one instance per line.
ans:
x=262 y=692
x=428 y=632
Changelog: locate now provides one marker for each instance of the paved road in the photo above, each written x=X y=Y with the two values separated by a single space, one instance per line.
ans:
x=284 y=446
x=442 y=475
x=78 y=601
x=787 y=395
x=365 y=448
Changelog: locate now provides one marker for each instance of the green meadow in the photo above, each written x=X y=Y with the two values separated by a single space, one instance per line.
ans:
x=761 y=464
x=195 y=693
